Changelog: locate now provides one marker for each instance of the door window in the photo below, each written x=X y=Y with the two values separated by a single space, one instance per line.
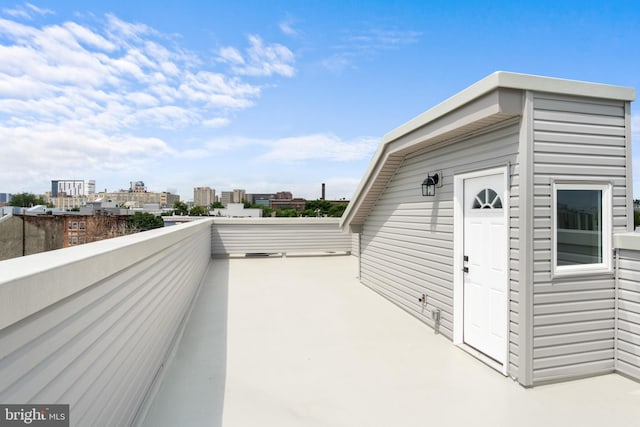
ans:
x=487 y=199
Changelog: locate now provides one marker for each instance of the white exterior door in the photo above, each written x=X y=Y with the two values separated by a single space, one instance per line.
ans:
x=485 y=266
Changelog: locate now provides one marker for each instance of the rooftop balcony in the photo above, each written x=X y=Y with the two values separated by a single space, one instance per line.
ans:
x=171 y=327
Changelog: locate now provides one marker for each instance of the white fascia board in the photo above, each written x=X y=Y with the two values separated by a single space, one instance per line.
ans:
x=359 y=193
x=503 y=79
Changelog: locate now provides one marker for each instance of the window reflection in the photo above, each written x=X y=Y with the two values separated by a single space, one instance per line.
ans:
x=579 y=227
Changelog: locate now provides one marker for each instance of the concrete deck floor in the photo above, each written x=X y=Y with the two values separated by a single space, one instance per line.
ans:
x=299 y=342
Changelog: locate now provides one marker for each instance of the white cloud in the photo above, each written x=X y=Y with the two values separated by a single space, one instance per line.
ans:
x=27 y=11
x=54 y=151
x=287 y=26
x=287 y=29
x=260 y=59
x=39 y=10
x=110 y=94
x=216 y=122
x=231 y=55
x=126 y=32
x=85 y=35
x=378 y=38
x=337 y=63
x=17 y=13
x=365 y=43
x=320 y=146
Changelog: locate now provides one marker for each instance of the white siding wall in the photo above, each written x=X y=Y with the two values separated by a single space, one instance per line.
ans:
x=279 y=235
x=407 y=239
x=573 y=318
x=100 y=348
x=628 y=336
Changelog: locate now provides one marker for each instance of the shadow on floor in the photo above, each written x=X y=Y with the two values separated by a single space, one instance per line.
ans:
x=194 y=384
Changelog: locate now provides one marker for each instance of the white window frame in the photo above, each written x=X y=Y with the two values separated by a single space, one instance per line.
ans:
x=606 y=266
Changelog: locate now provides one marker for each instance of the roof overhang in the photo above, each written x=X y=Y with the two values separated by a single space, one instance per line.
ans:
x=496 y=98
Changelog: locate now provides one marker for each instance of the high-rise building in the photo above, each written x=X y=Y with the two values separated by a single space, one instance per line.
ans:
x=226 y=197
x=68 y=188
x=203 y=196
x=239 y=196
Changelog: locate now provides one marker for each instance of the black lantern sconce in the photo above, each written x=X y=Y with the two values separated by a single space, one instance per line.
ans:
x=429 y=185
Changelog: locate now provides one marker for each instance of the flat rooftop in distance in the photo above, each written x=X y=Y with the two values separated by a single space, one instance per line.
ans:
x=298 y=341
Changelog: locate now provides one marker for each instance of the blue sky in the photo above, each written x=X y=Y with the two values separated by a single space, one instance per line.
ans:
x=266 y=95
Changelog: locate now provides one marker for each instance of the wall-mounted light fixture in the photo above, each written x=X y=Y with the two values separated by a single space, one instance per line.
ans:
x=429 y=185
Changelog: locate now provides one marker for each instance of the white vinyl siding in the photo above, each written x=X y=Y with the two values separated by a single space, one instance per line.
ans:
x=101 y=348
x=628 y=319
x=279 y=235
x=407 y=239
x=575 y=139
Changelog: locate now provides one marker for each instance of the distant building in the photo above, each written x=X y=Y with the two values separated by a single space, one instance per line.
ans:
x=239 y=196
x=260 y=199
x=5 y=198
x=226 y=197
x=65 y=203
x=203 y=196
x=71 y=187
x=34 y=233
x=284 y=195
x=137 y=199
x=297 y=204
x=137 y=187
x=103 y=207
x=70 y=193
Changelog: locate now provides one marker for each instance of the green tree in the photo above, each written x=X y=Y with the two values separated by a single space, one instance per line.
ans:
x=337 y=210
x=266 y=211
x=26 y=200
x=322 y=205
x=198 y=211
x=180 y=208
x=143 y=221
x=216 y=205
x=323 y=208
x=290 y=212
x=636 y=218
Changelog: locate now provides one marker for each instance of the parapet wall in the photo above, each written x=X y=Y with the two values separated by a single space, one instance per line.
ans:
x=92 y=325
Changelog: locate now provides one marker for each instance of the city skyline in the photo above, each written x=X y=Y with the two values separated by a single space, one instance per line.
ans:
x=88 y=187
x=284 y=97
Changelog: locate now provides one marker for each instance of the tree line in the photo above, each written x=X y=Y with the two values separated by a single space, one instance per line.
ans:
x=312 y=208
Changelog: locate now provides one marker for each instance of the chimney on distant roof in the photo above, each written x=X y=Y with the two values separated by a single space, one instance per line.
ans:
x=322 y=191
